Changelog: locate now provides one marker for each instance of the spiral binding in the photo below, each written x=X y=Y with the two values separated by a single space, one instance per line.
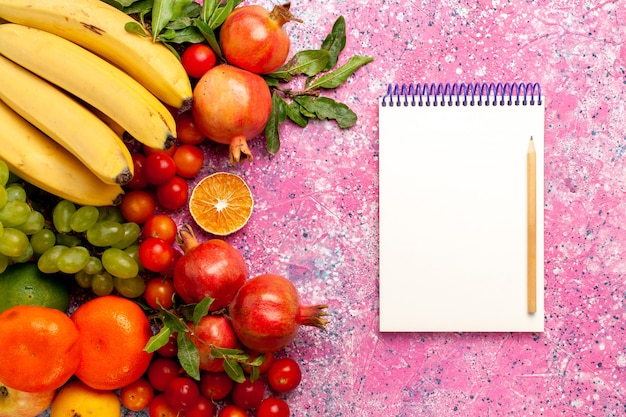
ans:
x=457 y=94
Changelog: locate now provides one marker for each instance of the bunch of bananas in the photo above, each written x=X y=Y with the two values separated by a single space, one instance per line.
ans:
x=73 y=80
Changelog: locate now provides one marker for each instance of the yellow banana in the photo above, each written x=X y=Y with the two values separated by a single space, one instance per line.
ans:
x=36 y=158
x=99 y=27
x=67 y=122
x=92 y=79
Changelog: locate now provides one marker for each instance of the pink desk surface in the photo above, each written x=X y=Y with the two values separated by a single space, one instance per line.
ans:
x=315 y=219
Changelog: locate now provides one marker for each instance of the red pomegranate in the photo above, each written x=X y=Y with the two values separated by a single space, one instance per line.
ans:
x=213 y=268
x=267 y=312
x=230 y=106
x=253 y=38
x=213 y=331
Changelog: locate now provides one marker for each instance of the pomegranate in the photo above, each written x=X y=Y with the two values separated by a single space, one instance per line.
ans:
x=230 y=106
x=213 y=331
x=267 y=312
x=212 y=268
x=253 y=38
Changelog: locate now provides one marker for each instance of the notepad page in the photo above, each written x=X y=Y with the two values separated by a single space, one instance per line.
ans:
x=453 y=217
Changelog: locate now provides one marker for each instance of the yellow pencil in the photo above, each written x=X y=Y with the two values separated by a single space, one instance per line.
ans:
x=531 y=161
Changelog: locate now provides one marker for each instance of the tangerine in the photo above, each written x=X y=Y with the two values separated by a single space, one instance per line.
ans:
x=221 y=203
x=39 y=348
x=114 y=331
x=76 y=399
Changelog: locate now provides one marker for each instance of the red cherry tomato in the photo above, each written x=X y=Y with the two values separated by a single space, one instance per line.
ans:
x=203 y=408
x=139 y=181
x=189 y=160
x=273 y=407
x=161 y=371
x=155 y=254
x=160 y=408
x=231 y=411
x=284 y=375
x=159 y=168
x=159 y=290
x=137 y=395
x=187 y=130
x=198 y=59
x=248 y=394
x=147 y=151
x=161 y=226
x=173 y=194
x=137 y=206
x=182 y=393
x=215 y=385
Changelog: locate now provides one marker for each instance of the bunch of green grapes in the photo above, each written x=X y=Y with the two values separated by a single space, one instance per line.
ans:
x=18 y=221
x=93 y=244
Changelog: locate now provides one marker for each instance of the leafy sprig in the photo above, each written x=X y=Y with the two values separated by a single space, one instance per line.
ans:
x=177 y=22
x=176 y=321
x=318 y=68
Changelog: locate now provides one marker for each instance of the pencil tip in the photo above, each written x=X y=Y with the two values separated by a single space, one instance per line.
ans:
x=531 y=138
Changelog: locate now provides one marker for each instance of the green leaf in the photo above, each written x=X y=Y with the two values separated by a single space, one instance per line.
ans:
x=310 y=62
x=164 y=11
x=208 y=7
x=201 y=309
x=188 y=355
x=327 y=108
x=340 y=75
x=141 y=7
x=158 y=340
x=335 y=42
x=294 y=113
x=277 y=116
x=255 y=373
x=221 y=14
x=190 y=34
x=209 y=36
x=172 y=321
x=234 y=370
x=136 y=28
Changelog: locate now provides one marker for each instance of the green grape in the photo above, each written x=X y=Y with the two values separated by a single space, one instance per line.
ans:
x=47 y=262
x=33 y=224
x=73 y=259
x=4 y=262
x=42 y=241
x=83 y=279
x=102 y=283
x=3 y=196
x=119 y=264
x=14 y=213
x=25 y=257
x=67 y=240
x=131 y=234
x=130 y=287
x=133 y=251
x=83 y=218
x=94 y=265
x=15 y=192
x=61 y=215
x=105 y=233
x=4 y=173
x=112 y=213
x=13 y=242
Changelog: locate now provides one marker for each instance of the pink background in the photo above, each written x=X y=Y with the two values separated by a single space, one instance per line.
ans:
x=315 y=219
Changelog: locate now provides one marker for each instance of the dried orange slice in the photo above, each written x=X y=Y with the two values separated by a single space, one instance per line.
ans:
x=221 y=203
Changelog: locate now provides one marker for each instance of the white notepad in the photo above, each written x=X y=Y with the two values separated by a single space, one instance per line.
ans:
x=453 y=207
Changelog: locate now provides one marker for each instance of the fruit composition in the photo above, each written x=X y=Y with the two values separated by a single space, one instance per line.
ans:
x=108 y=302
